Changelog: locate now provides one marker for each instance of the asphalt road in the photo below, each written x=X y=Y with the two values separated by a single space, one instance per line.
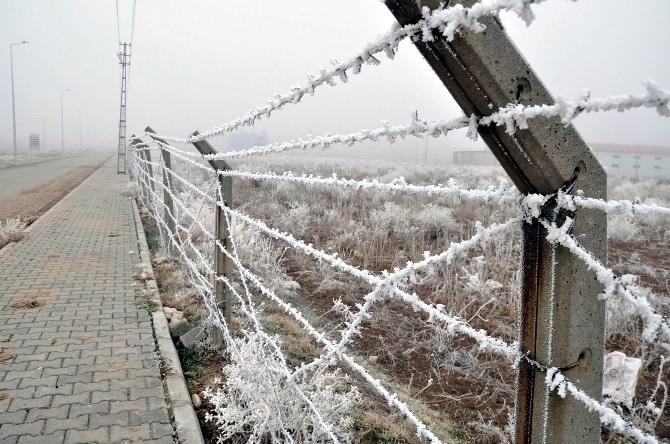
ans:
x=29 y=190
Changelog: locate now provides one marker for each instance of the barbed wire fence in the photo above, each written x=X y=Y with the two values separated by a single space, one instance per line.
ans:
x=177 y=217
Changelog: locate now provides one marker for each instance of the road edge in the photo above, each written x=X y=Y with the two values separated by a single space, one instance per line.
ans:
x=185 y=419
x=65 y=198
x=40 y=161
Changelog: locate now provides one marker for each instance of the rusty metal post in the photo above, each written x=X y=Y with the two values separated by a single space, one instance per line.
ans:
x=168 y=203
x=222 y=231
x=561 y=318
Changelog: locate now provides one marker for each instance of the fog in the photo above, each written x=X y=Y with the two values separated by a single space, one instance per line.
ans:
x=199 y=64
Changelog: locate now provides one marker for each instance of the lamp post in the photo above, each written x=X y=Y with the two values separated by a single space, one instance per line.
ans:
x=11 y=64
x=62 y=138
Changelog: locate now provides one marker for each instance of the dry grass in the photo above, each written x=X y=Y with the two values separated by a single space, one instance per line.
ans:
x=470 y=390
x=4 y=396
x=4 y=357
x=12 y=230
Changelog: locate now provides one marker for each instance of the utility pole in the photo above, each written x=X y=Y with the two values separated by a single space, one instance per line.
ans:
x=124 y=61
x=62 y=136
x=11 y=65
x=561 y=318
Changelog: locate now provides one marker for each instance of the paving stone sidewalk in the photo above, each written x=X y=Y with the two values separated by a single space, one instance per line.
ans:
x=76 y=351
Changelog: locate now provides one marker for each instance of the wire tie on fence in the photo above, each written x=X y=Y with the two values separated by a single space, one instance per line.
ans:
x=549 y=210
x=544 y=369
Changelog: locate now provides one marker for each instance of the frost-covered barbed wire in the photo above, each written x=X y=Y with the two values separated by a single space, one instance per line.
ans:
x=625 y=207
x=390 y=283
x=654 y=323
x=555 y=380
x=391 y=398
x=393 y=283
x=446 y=21
x=501 y=194
x=515 y=116
x=607 y=416
x=249 y=310
x=416 y=127
x=422 y=430
x=246 y=306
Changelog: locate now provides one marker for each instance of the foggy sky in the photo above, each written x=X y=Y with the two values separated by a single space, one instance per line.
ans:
x=198 y=64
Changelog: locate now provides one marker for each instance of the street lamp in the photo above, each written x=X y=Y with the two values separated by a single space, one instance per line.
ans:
x=11 y=64
x=62 y=145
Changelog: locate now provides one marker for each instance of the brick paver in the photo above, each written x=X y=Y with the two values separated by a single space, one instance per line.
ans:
x=75 y=349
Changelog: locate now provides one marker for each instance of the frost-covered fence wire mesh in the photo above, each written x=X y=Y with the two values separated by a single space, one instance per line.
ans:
x=200 y=267
x=193 y=190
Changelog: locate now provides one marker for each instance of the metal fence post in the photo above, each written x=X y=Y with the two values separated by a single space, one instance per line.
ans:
x=562 y=320
x=168 y=203
x=222 y=231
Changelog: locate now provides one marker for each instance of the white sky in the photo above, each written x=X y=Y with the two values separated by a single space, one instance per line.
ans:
x=198 y=64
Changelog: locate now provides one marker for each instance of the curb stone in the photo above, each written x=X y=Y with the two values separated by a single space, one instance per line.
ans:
x=185 y=419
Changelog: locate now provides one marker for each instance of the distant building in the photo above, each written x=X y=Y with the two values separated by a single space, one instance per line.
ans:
x=482 y=157
x=618 y=159
x=243 y=141
x=633 y=160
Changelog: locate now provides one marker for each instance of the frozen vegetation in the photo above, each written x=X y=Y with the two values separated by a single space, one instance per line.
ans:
x=366 y=328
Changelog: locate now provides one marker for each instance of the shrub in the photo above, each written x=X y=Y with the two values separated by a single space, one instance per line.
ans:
x=12 y=230
x=257 y=401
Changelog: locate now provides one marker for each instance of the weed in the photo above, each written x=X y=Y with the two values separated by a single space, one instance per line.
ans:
x=192 y=362
x=162 y=364
x=148 y=304
x=12 y=230
x=374 y=428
